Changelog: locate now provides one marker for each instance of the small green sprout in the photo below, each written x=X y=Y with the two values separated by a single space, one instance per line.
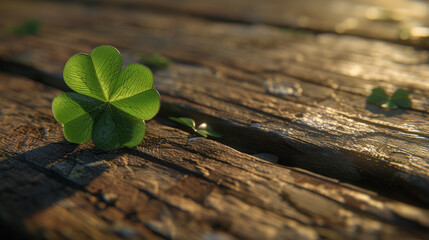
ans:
x=204 y=129
x=155 y=61
x=110 y=103
x=30 y=27
x=400 y=98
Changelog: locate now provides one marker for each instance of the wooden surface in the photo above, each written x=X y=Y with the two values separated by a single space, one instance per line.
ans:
x=297 y=95
x=391 y=20
x=171 y=186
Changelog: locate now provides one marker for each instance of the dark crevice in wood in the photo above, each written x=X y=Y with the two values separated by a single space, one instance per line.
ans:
x=252 y=141
x=283 y=120
x=298 y=186
x=398 y=219
x=33 y=73
x=286 y=120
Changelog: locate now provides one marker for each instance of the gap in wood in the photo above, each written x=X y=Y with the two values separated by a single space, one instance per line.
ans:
x=252 y=141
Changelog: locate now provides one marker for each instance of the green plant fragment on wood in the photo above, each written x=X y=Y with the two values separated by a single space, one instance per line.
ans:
x=155 y=61
x=378 y=96
x=30 y=27
x=206 y=130
x=203 y=129
x=110 y=103
x=400 y=98
x=185 y=121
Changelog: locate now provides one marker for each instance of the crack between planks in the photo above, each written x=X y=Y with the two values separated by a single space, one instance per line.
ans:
x=397 y=220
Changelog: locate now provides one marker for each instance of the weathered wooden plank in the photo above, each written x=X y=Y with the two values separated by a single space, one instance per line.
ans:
x=402 y=21
x=171 y=186
x=31 y=197
x=325 y=119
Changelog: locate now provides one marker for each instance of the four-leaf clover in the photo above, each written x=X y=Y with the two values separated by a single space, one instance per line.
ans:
x=110 y=103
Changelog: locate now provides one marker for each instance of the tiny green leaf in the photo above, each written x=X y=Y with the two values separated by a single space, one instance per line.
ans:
x=185 y=121
x=206 y=130
x=401 y=98
x=155 y=61
x=110 y=103
x=30 y=27
x=378 y=96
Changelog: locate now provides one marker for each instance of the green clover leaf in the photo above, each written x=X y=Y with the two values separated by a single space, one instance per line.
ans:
x=185 y=121
x=204 y=129
x=110 y=103
x=400 y=98
x=378 y=96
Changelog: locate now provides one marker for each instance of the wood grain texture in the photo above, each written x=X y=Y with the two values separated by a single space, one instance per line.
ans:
x=393 y=20
x=172 y=186
x=301 y=97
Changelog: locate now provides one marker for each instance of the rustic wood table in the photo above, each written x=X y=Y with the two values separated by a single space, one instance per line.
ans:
x=302 y=156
